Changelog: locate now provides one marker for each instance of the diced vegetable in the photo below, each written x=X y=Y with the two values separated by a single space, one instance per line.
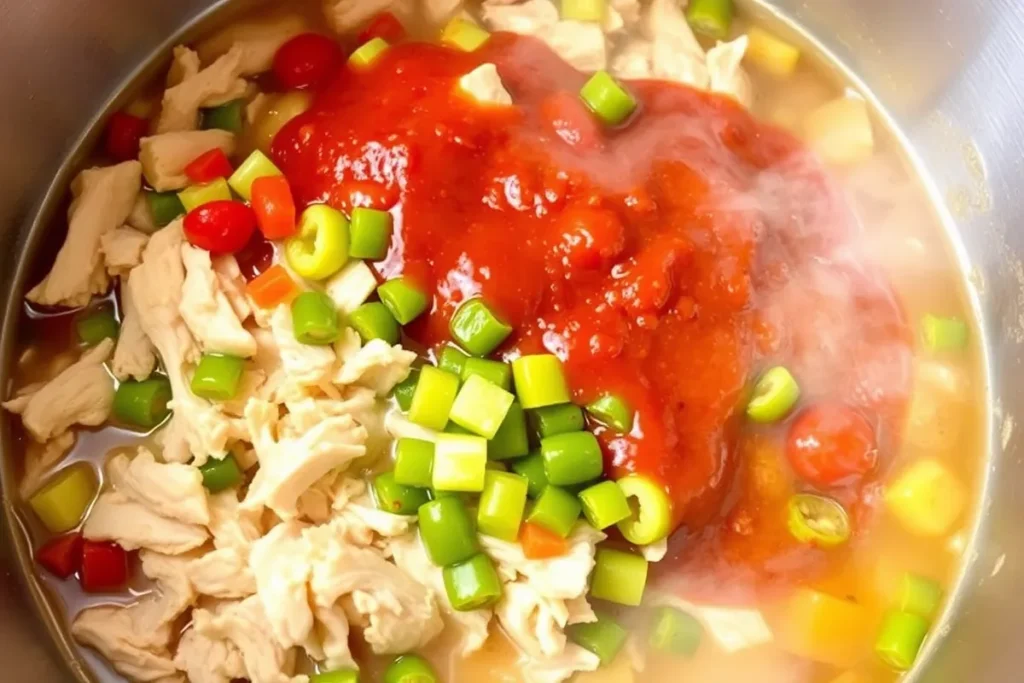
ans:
x=823 y=628
x=532 y=467
x=274 y=206
x=276 y=112
x=477 y=329
x=464 y=35
x=405 y=300
x=60 y=504
x=228 y=116
x=540 y=381
x=840 y=131
x=371 y=233
x=830 y=443
x=164 y=206
x=540 y=544
x=501 y=505
x=571 y=458
x=256 y=257
x=609 y=101
x=273 y=287
x=711 y=18
x=397 y=498
x=675 y=632
x=556 y=510
x=926 y=498
x=604 y=637
x=256 y=165
x=222 y=226
x=447 y=531
x=584 y=10
x=460 y=462
x=209 y=166
x=220 y=475
x=194 y=196
x=104 y=567
x=217 y=376
x=336 y=676
x=817 y=520
x=493 y=371
x=652 y=519
x=122 y=136
x=306 y=60
x=770 y=53
x=775 y=394
x=366 y=54
x=96 y=325
x=604 y=504
x=61 y=556
x=900 y=638
x=404 y=390
x=619 y=577
x=432 y=401
x=314 y=319
x=920 y=596
x=373 y=320
x=510 y=440
x=557 y=419
x=452 y=359
x=414 y=462
x=612 y=411
x=480 y=406
x=410 y=669
x=944 y=334
x=142 y=403
x=320 y=248
x=472 y=584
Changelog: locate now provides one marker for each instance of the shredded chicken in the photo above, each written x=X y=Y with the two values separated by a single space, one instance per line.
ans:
x=303 y=364
x=141 y=216
x=582 y=44
x=561 y=667
x=535 y=623
x=483 y=84
x=279 y=563
x=563 y=577
x=82 y=394
x=165 y=156
x=223 y=573
x=216 y=84
x=116 y=517
x=360 y=522
x=134 y=356
x=206 y=660
x=256 y=41
x=169 y=489
x=725 y=73
x=185 y=63
x=207 y=311
x=103 y=198
x=377 y=366
x=232 y=283
x=122 y=249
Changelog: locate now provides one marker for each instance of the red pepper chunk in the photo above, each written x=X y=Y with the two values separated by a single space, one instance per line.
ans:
x=385 y=25
x=104 y=567
x=306 y=60
x=223 y=226
x=209 y=166
x=124 y=131
x=275 y=209
x=61 y=556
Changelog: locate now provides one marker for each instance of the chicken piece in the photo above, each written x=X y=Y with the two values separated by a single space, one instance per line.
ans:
x=141 y=216
x=256 y=40
x=332 y=632
x=344 y=16
x=232 y=283
x=483 y=84
x=655 y=552
x=315 y=502
x=304 y=364
x=82 y=394
x=103 y=198
x=170 y=490
x=122 y=250
x=185 y=63
x=408 y=553
x=156 y=612
x=573 y=659
x=231 y=526
x=581 y=44
x=116 y=517
x=534 y=622
x=279 y=563
x=207 y=311
x=216 y=84
x=244 y=625
x=40 y=459
x=400 y=427
x=223 y=573
x=627 y=11
x=134 y=356
x=563 y=577
x=290 y=465
x=351 y=286
x=249 y=386
x=528 y=18
x=377 y=366
x=208 y=660
x=632 y=60
x=725 y=73
x=165 y=156
x=360 y=522
x=675 y=53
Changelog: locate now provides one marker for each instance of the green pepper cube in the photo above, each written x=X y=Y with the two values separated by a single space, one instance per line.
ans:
x=368 y=53
x=493 y=371
x=540 y=381
x=433 y=398
x=372 y=321
x=612 y=411
x=675 y=632
x=510 y=441
x=256 y=165
x=410 y=669
x=944 y=334
x=228 y=116
x=619 y=577
x=414 y=462
x=557 y=419
x=405 y=300
x=532 y=467
x=920 y=595
x=217 y=376
x=609 y=101
x=477 y=329
x=164 y=206
x=144 y=403
x=710 y=18
x=472 y=584
x=447 y=530
x=604 y=637
x=502 y=504
x=221 y=474
x=556 y=510
x=604 y=504
x=315 y=319
x=96 y=325
x=404 y=390
x=460 y=463
x=336 y=676
x=370 y=231
x=571 y=458
x=900 y=638
x=396 y=498
x=481 y=407
x=452 y=359
x=62 y=501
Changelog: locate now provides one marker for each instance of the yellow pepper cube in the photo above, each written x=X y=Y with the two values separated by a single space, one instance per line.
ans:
x=926 y=498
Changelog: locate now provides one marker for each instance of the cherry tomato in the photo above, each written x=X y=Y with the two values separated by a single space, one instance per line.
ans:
x=209 y=166
x=306 y=60
x=829 y=443
x=221 y=227
x=570 y=120
x=385 y=25
x=275 y=209
x=591 y=237
x=124 y=131
x=61 y=556
x=104 y=567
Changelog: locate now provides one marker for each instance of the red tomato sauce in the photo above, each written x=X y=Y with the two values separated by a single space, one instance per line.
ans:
x=668 y=260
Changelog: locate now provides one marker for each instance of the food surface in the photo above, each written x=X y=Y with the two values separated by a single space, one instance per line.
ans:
x=518 y=341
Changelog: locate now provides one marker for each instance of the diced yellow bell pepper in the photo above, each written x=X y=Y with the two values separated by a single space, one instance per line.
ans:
x=257 y=165
x=61 y=503
x=196 y=195
x=840 y=131
x=926 y=498
x=770 y=53
x=823 y=628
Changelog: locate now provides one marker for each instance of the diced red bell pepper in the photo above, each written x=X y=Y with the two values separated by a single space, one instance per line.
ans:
x=123 y=134
x=385 y=25
x=275 y=209
x=222 y=226
x=104 y=567
x=209 y=166
x=61 y=556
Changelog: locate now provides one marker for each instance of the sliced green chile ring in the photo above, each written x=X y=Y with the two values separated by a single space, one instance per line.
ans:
x=652 y=510
x=817 y=520
x=320 y=248
x=775 y=394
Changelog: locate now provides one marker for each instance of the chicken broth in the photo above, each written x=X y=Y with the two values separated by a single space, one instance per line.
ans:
x=712 y=276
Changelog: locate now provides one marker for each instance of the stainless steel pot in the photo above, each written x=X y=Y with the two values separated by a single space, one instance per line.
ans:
x=946 y=71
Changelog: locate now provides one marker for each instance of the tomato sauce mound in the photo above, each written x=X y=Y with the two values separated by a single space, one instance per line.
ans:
x=667 y=260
